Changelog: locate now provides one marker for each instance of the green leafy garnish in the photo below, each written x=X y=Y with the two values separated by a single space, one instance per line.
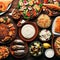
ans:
x=26 y=17
x=18 y=6
x=40 y=5
x=5 y=18
x=59 y=4
x=25 y=11
x=49 y=1
x=37 y=10
x=21 y=1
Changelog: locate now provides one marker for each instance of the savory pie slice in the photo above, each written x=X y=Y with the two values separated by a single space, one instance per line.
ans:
x=57 y=25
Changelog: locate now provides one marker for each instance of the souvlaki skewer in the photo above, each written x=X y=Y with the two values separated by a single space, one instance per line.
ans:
x=52 y=6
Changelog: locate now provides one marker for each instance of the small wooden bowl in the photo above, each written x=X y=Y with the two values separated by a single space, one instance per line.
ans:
x=4 y=57
x=41 y=48
x=12 y=52
x=51 y=37
x=36 y=33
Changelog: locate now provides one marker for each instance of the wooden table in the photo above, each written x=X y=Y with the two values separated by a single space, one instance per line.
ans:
x=28 y=57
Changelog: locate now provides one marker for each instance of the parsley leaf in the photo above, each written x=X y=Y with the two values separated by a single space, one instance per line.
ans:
x=40 y=5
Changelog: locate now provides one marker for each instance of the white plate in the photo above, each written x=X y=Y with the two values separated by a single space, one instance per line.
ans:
x=6 y=10
x=53 y=26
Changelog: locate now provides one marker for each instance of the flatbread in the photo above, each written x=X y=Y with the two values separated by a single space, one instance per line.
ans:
x=6 y=2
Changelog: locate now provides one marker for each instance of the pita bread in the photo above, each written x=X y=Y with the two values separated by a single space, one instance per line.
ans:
x=6 y=3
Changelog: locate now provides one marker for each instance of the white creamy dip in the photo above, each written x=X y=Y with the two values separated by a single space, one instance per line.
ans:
x=28 y=31
x=49 y=53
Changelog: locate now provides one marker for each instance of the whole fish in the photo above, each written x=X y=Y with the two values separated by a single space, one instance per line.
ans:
x=19 y=52
x=18 y=47
x=18 y=41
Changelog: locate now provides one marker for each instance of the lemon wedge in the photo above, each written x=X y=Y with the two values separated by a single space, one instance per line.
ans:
x=46 y=45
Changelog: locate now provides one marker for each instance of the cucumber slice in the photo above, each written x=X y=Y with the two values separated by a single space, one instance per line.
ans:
x=40 y=5
x=18 y=6
x=21 y=1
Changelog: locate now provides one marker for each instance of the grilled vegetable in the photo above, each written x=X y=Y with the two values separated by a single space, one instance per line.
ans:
x=45 y=1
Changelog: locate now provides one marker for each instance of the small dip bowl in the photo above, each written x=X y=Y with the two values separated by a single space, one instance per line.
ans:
x=34 y=30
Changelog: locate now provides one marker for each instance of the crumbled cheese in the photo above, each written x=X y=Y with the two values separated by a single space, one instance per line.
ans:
x=44 y=35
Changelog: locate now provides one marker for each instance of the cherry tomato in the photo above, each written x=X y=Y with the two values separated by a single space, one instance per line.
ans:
x=34 y=12
x=38 y=2
x=45 y=1
x=28 y=14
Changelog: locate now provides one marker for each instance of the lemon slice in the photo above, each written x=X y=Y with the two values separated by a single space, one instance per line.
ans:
x=46 y=45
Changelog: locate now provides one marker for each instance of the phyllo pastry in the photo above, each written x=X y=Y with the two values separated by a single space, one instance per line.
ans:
x=57 y=25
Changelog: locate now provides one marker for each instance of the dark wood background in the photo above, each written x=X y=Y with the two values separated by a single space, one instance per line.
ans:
x=28 y=56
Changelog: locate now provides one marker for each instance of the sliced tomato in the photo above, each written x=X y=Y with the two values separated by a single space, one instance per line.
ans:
x=28 y=14
x=25 y=1
x=38 y=2
x=34 y=12
x=45 y=1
